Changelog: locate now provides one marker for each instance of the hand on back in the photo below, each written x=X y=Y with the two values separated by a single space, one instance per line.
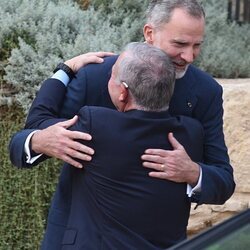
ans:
x=92 y=57
x=56 y=141
x=174 y=165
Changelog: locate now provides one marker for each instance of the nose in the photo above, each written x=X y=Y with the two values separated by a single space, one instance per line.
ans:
x=188 y=55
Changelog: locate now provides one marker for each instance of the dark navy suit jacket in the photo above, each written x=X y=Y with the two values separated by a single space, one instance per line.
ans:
x=113 y=203
x=196 y=95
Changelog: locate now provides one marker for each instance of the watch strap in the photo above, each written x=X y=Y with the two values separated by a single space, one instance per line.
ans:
x=66 y=69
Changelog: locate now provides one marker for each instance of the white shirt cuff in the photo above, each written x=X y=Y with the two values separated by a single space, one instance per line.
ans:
x=27 y=150
x=197 y=188
x=61 y=76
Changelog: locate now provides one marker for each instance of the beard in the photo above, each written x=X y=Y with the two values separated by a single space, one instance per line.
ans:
x=180 y=73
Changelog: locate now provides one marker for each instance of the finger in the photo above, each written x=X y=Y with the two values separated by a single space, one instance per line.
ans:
x=77 y=135
x=97 y=58
x=152 y=158
x=68 y=123
x=159 y=175
x=152 y=165
x=94 y=59
x=78 y=155
x=72 y=162
x=103 y=53
x=175 y=144
x=82 y=148
x=159 y=152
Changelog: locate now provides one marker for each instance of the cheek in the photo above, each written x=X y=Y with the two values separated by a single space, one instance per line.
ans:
x=160 y=41
x=111 y=90
x=173 y=52
x=167 y=47
x=109 y=87
x=196 y=52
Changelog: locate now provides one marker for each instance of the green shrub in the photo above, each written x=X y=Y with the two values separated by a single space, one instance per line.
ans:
x=24 y=194
x=38 y=34
x=58 y=31
x=226 y=50
x=135 y=8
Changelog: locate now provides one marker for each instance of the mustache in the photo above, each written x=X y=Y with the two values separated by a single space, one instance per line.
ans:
x=180 y=63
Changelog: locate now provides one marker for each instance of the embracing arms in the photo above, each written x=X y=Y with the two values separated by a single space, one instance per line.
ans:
x=215 y=173
x=199 y=96
x=54 y=139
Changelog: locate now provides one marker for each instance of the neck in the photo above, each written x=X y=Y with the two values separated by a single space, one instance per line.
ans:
x=129 y=106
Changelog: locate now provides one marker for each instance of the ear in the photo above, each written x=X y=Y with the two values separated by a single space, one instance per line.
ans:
x=148 y=33
x=123 y=97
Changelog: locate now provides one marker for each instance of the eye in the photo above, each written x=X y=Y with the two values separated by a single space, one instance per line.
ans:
x=180 y=44
x=198 y=45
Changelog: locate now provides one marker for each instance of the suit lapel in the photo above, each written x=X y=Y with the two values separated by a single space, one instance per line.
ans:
x=184 y=101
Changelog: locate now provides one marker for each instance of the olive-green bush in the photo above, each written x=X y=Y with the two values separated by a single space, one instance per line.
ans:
x=24 y=194
x=35 y=35
x=226 y=50
x=44 y=32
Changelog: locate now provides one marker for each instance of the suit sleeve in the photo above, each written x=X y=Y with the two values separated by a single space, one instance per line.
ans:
x=46 y=106
x=16 y=149
x=43 y=113
x=217 y=179
x=89 y=88
x=78 y=94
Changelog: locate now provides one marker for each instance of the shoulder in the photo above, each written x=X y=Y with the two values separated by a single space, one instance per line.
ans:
x=98 y=118
x=89 y=87
x=95 y=76
x=95 y=111
x=98 y=67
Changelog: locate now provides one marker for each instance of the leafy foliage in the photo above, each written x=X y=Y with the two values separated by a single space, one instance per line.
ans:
x=226 y=50
x=57 y=30
x=24 y=194
x=35 y=35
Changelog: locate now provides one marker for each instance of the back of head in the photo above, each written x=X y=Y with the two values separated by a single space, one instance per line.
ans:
x=149 y=74
x=159 y=11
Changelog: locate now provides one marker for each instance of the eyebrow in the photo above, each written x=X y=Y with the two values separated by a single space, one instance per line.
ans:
x=184 y=41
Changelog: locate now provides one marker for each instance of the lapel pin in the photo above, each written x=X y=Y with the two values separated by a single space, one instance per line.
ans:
x=189 y=104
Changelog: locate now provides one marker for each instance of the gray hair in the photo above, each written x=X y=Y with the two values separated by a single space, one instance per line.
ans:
x=159 y=12
x=149 y=74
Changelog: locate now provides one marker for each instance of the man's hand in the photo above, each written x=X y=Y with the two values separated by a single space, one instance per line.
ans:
x=174 y=165
x=92 y=57
x=56 y=141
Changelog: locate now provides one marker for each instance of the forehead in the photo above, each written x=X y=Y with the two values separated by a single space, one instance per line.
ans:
x=182 y=24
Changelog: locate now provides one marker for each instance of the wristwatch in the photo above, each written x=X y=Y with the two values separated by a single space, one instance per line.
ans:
x=66 y=69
